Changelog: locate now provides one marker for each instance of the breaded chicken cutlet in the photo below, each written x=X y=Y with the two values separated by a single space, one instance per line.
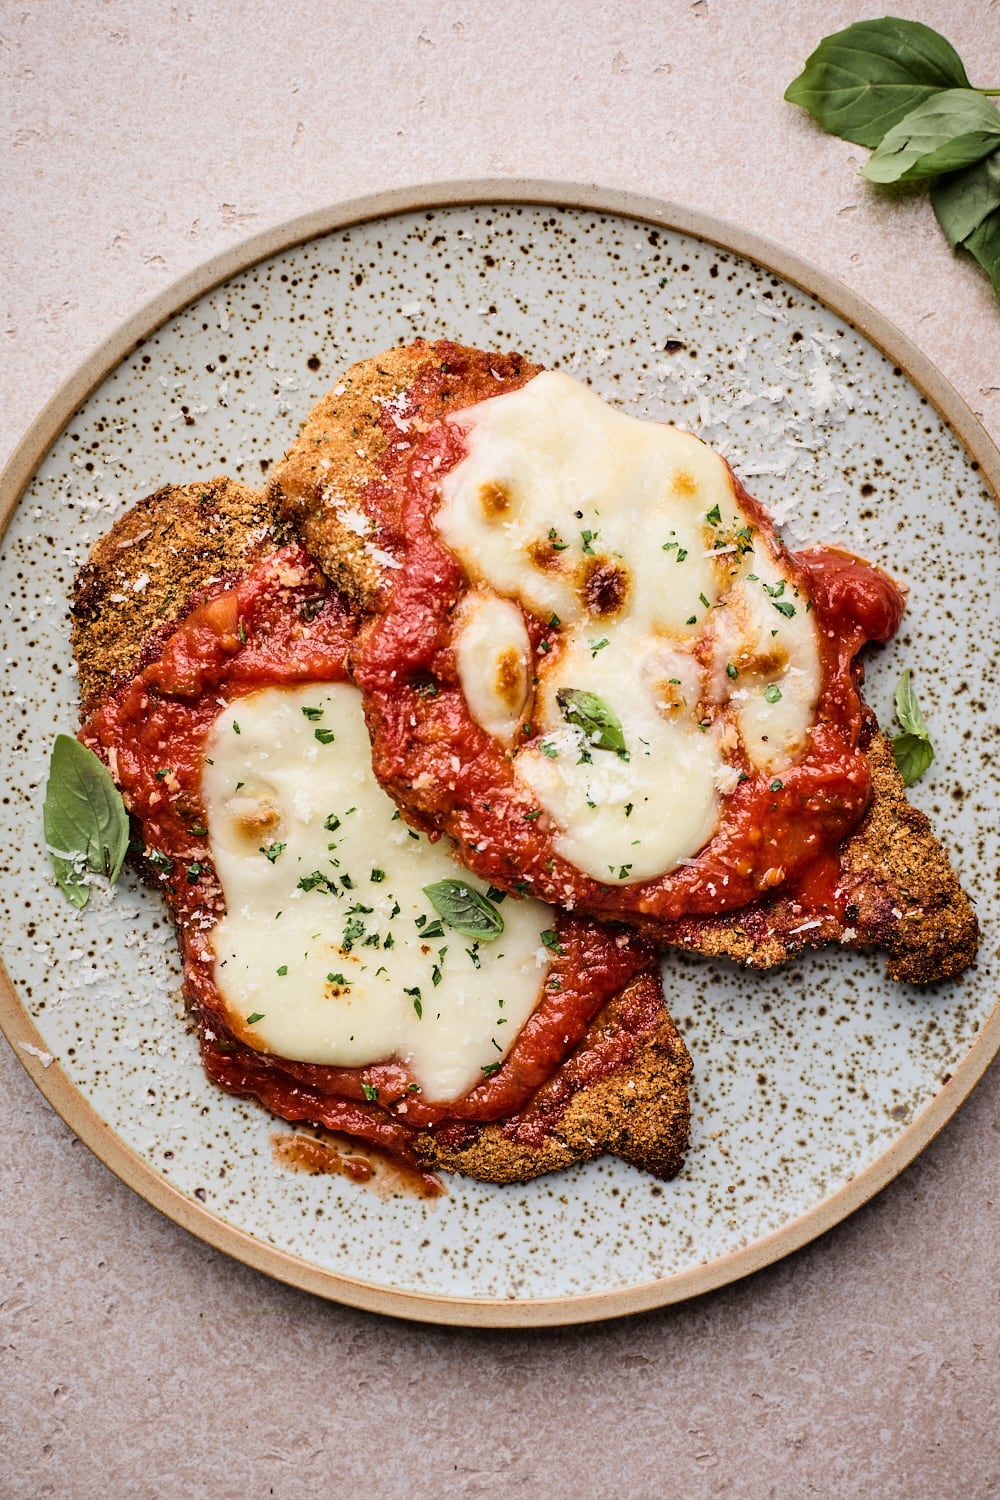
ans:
x=587 y=657
x=196 y=605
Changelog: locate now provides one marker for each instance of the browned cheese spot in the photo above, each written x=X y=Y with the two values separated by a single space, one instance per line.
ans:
x=495 y=500
x=509 y=682
x=684 y=483
x=253 y=815
x=768 y=660
x=544 y=556
x=605 y=587
x=669 y=698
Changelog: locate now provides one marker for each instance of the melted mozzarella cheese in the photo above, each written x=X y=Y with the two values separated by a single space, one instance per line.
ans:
x=324 y=954
x=493 y=655
x=672 y=608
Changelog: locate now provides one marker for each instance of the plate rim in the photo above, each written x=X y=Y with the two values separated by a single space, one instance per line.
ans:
x=76 y=1110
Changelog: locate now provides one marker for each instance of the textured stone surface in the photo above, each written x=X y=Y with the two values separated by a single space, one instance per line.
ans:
x=134 y=1360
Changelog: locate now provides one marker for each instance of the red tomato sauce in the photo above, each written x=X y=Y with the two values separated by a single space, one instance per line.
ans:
x=280 y=623
x=774 y=829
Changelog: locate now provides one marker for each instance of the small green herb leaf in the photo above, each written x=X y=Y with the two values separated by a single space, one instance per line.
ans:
x=463 y=908
x=912 y=749
x=908 y=709
x=862 y=81
x=86 y=825
x=599 y=723
x=254 y=1017
x=913 y=755
x=551 y=940
x=948 y=131
x=370 y=1092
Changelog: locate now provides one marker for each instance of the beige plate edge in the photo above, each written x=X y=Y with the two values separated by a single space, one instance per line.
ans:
x=75 y=1110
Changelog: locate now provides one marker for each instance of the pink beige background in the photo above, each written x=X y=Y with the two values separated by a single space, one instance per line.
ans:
x=140 y=138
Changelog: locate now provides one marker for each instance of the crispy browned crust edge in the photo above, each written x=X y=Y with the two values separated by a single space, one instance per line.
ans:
x=641 y=1114
x=899 y=889
x=141 y=573
x=324 y=478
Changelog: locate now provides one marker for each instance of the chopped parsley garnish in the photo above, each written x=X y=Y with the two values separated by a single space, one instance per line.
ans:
x=704 y=601
x=489 y=1069
x=332 y=823
x=377 y=876
x=325 y=736
x=317 y=881
x=784 y=607
x=587 y=538
x=596 y=646
x=691 y=620
x=772 y=693
x=777 y=786
x=161 y=861
x=731 y=671
x=352 y=931
x=551 y=940
x=236 y=728
x=336 y=979
x=554 y=622
x=257 y=1015
x=714 y=516
x=557 y=545
x=272 y=851
x=282 y=971
x=547 y=748
x=194 y=871
x=313 y=713
x=370 y=1092
x=414 y=994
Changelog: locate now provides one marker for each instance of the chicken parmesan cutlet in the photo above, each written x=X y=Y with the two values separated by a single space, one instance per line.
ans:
x=340 y=967
x=588 y=658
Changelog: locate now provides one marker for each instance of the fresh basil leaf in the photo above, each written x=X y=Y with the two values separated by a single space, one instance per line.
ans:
x=984 y=244
x=86 y=825
x=907 y=708
x=913 y=755
x=949 y=131
x=962 y=200
x=912 y=750
x=861 y=82
x=599 y=723
x=463 y=908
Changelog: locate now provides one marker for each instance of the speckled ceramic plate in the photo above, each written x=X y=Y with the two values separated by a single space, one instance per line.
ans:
x=814 y=1084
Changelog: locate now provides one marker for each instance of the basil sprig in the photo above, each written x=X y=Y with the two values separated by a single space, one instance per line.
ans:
x=86 y=825
x=599 y=723
x=463 y=908
x=901 y=88
x=912 y=749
